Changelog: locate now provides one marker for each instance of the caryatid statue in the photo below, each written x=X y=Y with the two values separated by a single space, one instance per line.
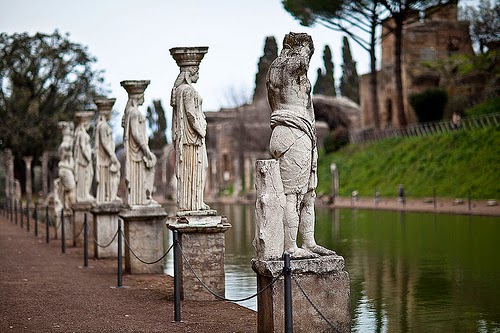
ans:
x=84 y=169
x=189 y=128
x=139 y=159
x=65 y=185
x=107 y=173
x=293 y=142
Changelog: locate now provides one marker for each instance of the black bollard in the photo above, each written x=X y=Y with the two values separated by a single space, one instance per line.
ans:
x=63 y=239
x=21 y=213
x=119 y=253
x=177 y=278
x=47 y=224
x=85 y=242
x=27 y=216
x=287 y=271
x=36 y=219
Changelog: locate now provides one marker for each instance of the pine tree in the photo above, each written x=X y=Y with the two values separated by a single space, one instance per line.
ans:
x=325 y=84
x=349 y=85
x=270 y=53
x=158 y=125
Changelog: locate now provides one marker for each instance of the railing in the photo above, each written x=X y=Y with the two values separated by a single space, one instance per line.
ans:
x=424 y=129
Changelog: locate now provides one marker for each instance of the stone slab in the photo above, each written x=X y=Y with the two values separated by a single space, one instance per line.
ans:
x=204 y=248
x=143 y=229
x=105 y=224
x=327 y=287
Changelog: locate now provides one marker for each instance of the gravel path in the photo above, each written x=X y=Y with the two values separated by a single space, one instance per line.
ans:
x=43 y=290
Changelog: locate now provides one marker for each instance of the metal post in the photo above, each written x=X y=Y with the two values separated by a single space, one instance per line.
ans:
x=85 y=242
x=119 y=253
x=63 y=239
x=469 y=199
x=287 y=272
x=177 y=278
x=36 y=219
x=15 y=210
x=435 y=203
x=27 y=216
x=21 y=213
x=47 y=224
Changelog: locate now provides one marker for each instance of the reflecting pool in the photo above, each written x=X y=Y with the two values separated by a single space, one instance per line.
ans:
x=410 y=272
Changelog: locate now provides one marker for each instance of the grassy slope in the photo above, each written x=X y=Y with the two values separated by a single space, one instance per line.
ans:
x=453 y=163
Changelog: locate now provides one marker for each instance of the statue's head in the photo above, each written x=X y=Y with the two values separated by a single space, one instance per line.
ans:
x=298 y=43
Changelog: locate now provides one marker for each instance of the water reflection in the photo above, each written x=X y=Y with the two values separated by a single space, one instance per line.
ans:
x=410 y=272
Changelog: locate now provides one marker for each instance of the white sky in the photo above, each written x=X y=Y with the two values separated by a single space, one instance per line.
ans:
x=131 y=39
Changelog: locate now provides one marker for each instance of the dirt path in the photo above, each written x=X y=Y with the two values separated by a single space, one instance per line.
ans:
x=43 y=290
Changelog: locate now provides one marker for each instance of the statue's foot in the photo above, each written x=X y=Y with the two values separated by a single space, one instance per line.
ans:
x=322 y=251
x=300 y=253
x=205 y=207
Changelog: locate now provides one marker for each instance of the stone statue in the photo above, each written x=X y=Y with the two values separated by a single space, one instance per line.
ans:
x=293 y=142
x=84 y=170
x=139 y=159
x=107 y=165
x=189 y=128
x=65 y=185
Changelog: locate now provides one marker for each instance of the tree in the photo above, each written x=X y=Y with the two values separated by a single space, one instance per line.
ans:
x=359 y=19
x=158 y=125
x=484 y=24
x=270 y=53
x=325 y=84
x=44 y=78
x=349 y=83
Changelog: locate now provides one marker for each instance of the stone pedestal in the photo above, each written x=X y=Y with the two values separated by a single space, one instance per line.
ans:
x=143 y=228
x=105 y=225
x=79 y=211
x=203 y=245
x=68 y=226
x=323 y=280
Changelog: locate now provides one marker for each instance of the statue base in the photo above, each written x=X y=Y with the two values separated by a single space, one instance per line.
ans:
x=79 y=211
x=105 y=227
x=143 y=229
x=68 y=226
x=203 y=245
x=322 y=279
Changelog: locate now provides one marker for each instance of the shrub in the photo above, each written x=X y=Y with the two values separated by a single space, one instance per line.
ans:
x=429 y=105
x=336 y=139
x=489 y=106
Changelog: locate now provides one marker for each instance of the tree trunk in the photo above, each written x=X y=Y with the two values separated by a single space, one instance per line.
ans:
x=373 y=80
x=400 y=108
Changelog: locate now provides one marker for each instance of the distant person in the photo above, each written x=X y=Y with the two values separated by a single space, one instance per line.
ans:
x=456 y=120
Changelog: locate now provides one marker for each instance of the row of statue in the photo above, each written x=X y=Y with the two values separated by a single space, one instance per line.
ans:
x=76 y=167
x=292 y=143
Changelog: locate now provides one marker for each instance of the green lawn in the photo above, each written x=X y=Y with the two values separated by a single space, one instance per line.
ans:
x=454 y=163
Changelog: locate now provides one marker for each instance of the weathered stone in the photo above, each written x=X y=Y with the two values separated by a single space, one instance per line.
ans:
x=325 y=283
x=79 y=211
x=65 y=185
x=84 y=169
x=204 y=248
x=189 y=128
x=27 y=161
x=107 y=164
x=143 y=228
x=139 y=159
x=105 y=227
x=269 y=206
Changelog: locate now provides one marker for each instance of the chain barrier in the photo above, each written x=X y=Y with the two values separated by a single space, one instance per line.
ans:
x=80 y=232
x=222 y=297
x=145 y=262
x=95 y=240
x=313 y=305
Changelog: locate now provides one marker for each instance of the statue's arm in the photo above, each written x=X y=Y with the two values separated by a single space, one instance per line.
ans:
x=194 y=116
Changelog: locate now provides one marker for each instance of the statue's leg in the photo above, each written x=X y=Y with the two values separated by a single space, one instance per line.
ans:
x=307 y=220
x=291 y=226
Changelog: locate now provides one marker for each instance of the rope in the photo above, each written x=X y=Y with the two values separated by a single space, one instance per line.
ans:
x=103 y=246
x=145 y=262
x=314 y=306
x=222 y=297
